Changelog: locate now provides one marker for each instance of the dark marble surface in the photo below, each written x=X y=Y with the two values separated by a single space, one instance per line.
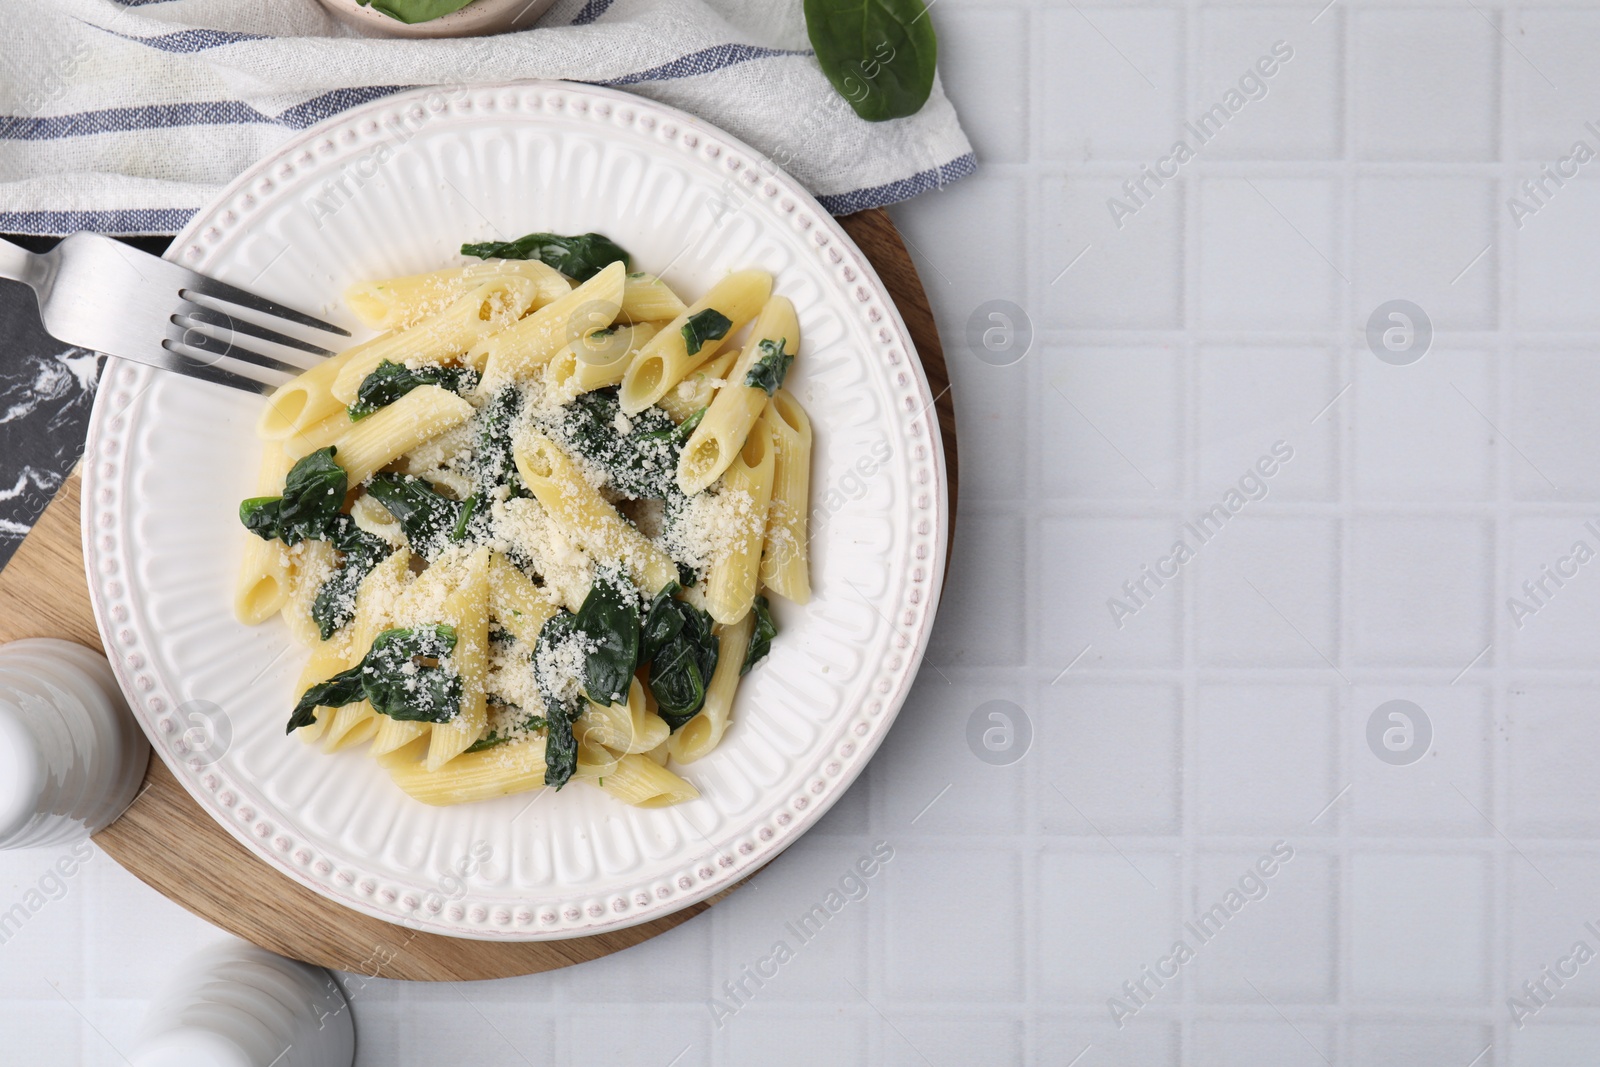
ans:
x=46 y=390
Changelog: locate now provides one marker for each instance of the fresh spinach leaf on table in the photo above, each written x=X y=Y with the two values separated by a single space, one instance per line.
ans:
x=879 y=55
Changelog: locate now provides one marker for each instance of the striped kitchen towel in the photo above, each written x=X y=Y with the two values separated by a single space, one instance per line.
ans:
x=125 y=116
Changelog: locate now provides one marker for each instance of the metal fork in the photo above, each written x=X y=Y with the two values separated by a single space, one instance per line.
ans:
x=101 y=294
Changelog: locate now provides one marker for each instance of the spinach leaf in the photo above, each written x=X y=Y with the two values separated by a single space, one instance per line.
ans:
x=335 y=603
x=609 y=623
x=641 y=464
x=493 y=738
x=682 y=653
x=404 y=680
x=761 y=637
x=469 y=511
x=390 y=381
x=880 y=56
x=495 y=464
x=580 y=257
x=313 y=493
x=703 y=326
x=260 y=515
x=768 y=372
x=343 y=688
x=414 y=11
x=428 y=517
x=560 y=746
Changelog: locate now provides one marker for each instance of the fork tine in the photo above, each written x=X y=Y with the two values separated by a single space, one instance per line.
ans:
x=195 y=314
x=231 y=294
x=178 y=363
x=214 y=347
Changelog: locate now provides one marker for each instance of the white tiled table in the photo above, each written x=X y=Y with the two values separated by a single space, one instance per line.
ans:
x=1230 y=711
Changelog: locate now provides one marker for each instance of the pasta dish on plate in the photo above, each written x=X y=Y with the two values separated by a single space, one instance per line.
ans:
x=528 y=530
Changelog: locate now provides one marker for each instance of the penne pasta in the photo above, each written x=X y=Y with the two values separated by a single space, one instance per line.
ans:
x=646 y=298
x=466 y=609
x=262 y=587
x=626 y=727
x=397 y=303
x=640 y=781
x=704 y=732
x=585 y=516
x=538 y=532
x=785 y=566
x=666 y=360
x=517 y=767
x=731 y=586
x=712 y=447
x=378 y=440
x=484 y=310
x=519 y=606
x=698 y=390
x=523 y=349
x=594 y=361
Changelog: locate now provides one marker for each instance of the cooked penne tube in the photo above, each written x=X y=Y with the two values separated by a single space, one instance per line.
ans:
x=304 y=400
x=595 y=360
x=466 y=609
x=486 y=309
x=785 y=566
x=704 y=732
x=415 y=607
x=646 y=298
x=712 y=447
x=666 y=360
x=328 y=658
x=310 y=564
x=389 y=433
x=515 y=767
x=627 y=727
x=396 y=303
x=700 y=388
x=520 y=607
x=731 y=586
x=320 y=434
x=640 y=781
x=564 y=566
x=585 y=516
x=262 y=587
x=521 y=350
x=375 y=599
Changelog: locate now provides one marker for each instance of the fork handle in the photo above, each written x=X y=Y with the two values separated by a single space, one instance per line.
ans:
x=19 y=264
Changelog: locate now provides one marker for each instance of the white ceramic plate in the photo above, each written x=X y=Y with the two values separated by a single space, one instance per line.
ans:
x=393 y=188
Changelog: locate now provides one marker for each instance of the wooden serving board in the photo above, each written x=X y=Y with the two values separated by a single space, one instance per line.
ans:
x=171 y=844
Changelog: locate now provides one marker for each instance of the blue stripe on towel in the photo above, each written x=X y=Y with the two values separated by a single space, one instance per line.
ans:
x=705 y=61
x=904 y=189
x=132 y=220
x=591 y=11
x=200 y=113
x=187 y=42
